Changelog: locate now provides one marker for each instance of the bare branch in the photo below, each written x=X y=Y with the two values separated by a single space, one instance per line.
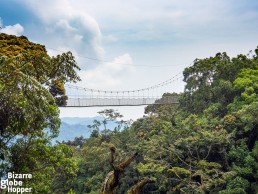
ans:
x=136 y=189
x=109 y=184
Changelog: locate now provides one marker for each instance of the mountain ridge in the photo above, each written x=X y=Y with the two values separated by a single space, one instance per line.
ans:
x=72 y=127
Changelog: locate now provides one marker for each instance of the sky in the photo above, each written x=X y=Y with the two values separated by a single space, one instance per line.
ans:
x=128 y=45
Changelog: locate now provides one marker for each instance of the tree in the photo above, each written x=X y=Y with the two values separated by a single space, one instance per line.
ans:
x=29 y=115
x=112 y=179
x=32 y=59
x=225 y=91
x=52 y=167
x=26 y=106
x=108 y=115
x=210 y=81
x=164 y=111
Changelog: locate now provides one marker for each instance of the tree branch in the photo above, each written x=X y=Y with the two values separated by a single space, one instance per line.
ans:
x=109 y=186
x=136 y=189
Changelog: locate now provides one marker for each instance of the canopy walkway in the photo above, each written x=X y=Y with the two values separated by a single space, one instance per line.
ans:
x=157 y=94
x=94 y=102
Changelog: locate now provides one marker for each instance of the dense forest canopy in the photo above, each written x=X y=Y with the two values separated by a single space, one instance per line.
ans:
x=206 y=144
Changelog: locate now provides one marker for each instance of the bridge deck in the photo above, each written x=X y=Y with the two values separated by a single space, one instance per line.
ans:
x=94 y=102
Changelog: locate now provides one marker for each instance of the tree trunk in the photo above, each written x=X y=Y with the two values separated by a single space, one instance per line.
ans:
x=108 y=186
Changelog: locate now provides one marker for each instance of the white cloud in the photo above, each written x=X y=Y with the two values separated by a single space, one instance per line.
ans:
x=68 y=27
x=110 y=38
x=64 y=25
x=16 y=29
x=134 y=11
x=120 y=64
x=109 y=74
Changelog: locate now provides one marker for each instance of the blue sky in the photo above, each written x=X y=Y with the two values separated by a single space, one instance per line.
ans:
x=139 y=43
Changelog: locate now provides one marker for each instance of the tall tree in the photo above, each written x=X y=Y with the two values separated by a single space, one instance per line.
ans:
x=29 y=115
x=32 y=59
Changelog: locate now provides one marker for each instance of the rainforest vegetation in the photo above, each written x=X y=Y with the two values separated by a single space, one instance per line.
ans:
x=205 y=144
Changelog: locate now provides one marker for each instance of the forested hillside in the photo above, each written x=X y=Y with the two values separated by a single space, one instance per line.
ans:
x=205 y=144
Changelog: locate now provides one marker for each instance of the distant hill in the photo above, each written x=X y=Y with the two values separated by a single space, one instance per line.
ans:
x=72 y=127
x=80 y=120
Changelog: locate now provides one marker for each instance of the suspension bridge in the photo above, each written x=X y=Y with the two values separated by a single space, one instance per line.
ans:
x=157 y=94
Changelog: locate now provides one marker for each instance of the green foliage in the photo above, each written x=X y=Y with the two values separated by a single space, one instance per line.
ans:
x=51 y=166
x=29 y=115
x=11 y=45
x=236 y=185
x=33 y=60
x=22 y=96
x=93 y=160
x=210 y=80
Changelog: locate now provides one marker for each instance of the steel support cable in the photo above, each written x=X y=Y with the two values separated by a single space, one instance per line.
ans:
x=121 y=91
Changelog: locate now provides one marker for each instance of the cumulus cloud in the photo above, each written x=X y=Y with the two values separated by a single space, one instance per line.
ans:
x=67 y=27
x=120 y=64
x=110 y=39
x=64 y=25
x=16 y=29
x=109 y=74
